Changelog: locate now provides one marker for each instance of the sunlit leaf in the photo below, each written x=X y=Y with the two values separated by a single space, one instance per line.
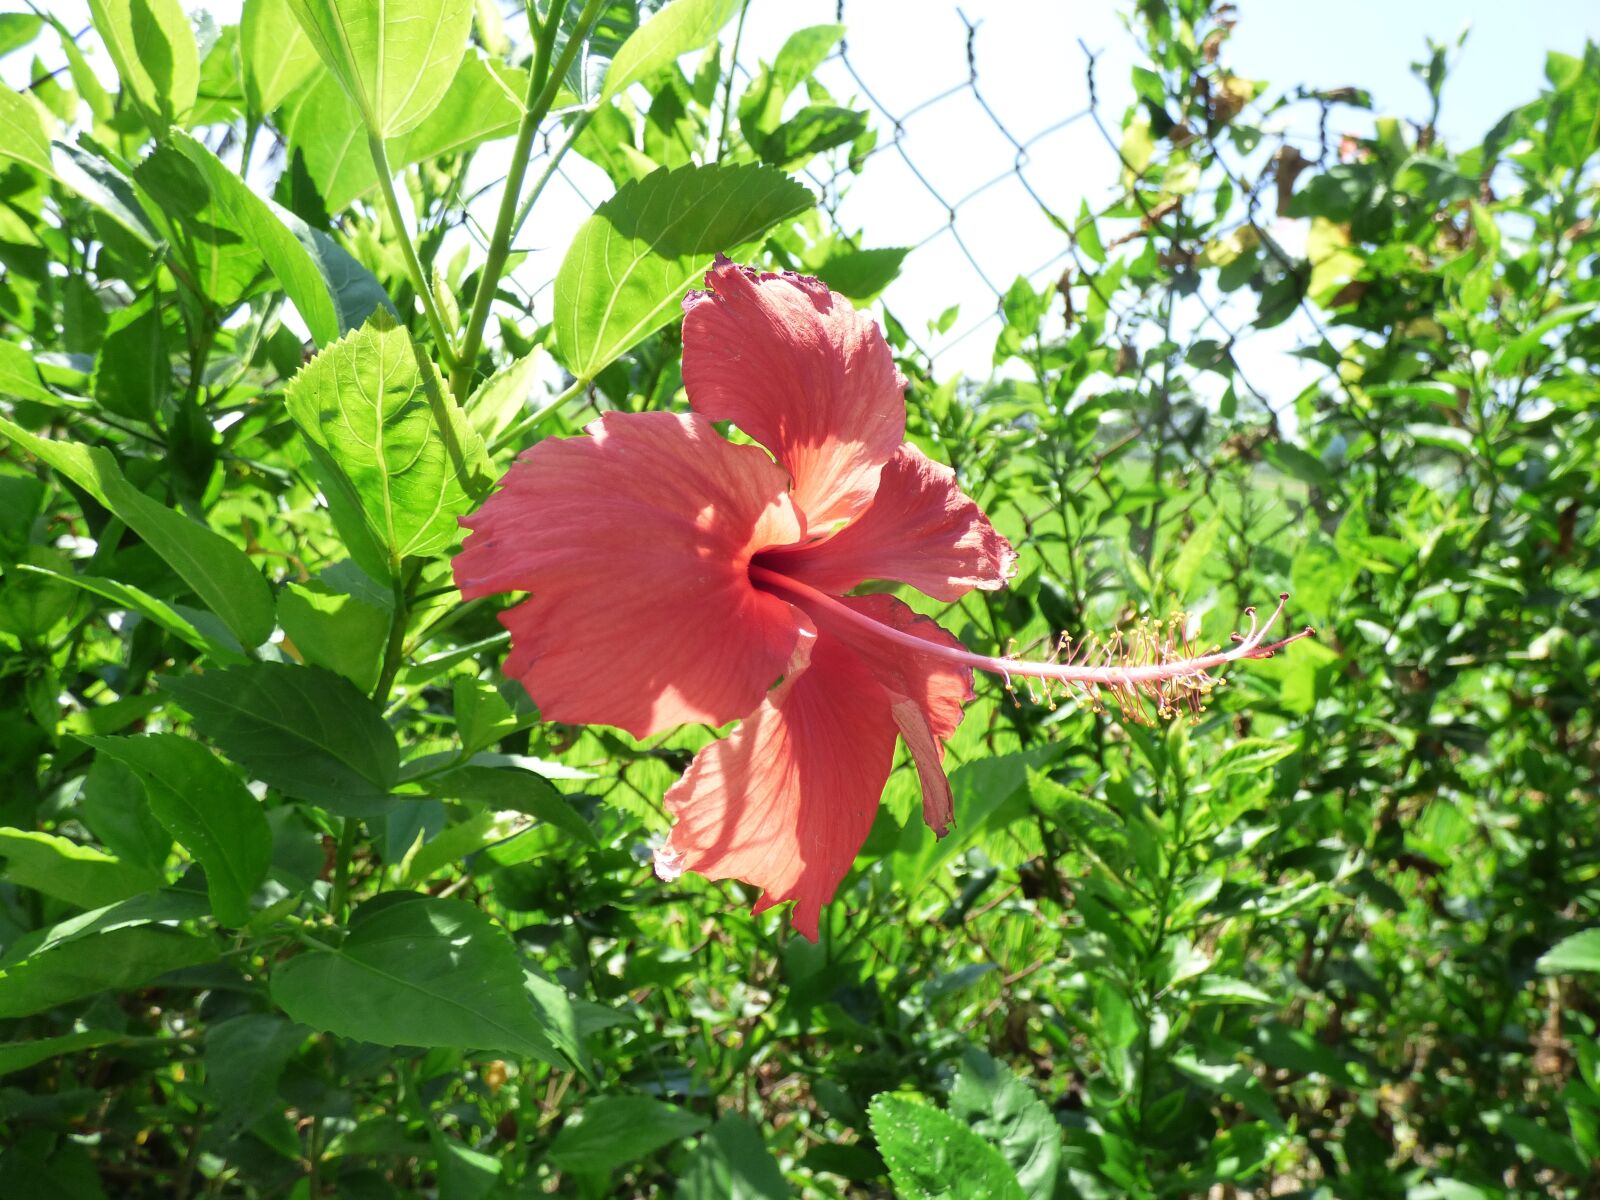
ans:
x=394 y=58
x=634 y=260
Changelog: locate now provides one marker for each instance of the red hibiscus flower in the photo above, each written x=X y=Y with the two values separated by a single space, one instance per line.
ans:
x=675 y=577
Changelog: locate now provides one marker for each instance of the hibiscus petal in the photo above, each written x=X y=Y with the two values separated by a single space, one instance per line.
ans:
x=785 y=802
x=635 y=542
x=928 y=694
x=804 y=374
x=922 y=529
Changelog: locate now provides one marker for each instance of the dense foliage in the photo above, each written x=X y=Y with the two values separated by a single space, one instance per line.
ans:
x=298 y=896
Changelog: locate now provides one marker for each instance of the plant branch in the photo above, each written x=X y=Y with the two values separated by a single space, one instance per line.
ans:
x=537 y=415
x=551 y=163
x=546 y=82
x=727 y=92
x=419 y=278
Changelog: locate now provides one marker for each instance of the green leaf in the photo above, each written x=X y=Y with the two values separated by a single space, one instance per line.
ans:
x=502 y=398
x=933 y=1156
x=23 y=135
x=303 y=730
x=1545 y=1144
x=815 y=128
x=230 y=236
x=862 y=274
x=16 y=1056
x=128 y=957
x=1005 y=1111
x=330 y=629
x=453 y=844
x=484 y=102
x=1196 y=550
x=679 y=28
x=1087 y=234
x=1233 y=1081
x=60 y=867
x=732 y=1163
x=521 y=791
x=633 y=261
x=417 y=971
x=207 y=809
x=614 y=1131
x=132 y=369
x=761 y=106
x=17 y=30
x=379 y=413
x=19 y=378
x=394 y=58
x=167 y=906
x=1580 y=952
x=104 y=186
x=324 y=132
x=1513 y=353
x=275 y=55
x=217 y=642
x=245 y=1056
x=221 y=574
x=1220 y=989
x=155 y=52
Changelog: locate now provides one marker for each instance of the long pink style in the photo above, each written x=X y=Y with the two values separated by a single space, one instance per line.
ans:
x=1148 y=668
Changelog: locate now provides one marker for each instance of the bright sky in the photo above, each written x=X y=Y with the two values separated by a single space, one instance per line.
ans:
x=1031 y=72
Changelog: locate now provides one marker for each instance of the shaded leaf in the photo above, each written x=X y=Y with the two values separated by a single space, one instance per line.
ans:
x=120 y=958
x=207 y=809
x=16 y=1056
x=732 y=1163
x=417 y=971
x=613 y=1131
x=305 y=731
x=1005 y=1111
x=245 y=1056
x=219 y=572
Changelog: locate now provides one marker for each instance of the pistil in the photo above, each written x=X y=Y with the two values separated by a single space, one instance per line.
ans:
x=1150 y=668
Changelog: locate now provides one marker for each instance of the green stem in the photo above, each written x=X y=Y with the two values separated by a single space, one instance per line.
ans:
x=394 y=650
x=547 y=81
x=537 y=415
x=314 y=1160
x=419 y=278
x=252 y=130
x=349 y=827
x=727 y=92
x=551 y=163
